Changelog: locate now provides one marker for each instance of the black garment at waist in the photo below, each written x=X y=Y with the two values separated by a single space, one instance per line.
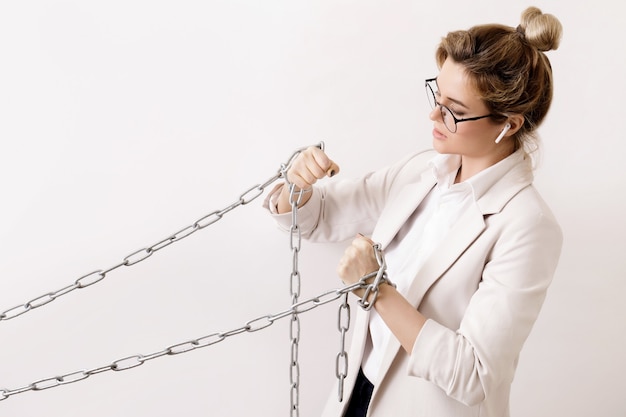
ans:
x=360 y=398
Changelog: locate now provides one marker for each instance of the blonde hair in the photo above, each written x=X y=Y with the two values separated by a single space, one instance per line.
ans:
x=509 y=68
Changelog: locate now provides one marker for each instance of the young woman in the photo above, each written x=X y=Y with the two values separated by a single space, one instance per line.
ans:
x=469 y=244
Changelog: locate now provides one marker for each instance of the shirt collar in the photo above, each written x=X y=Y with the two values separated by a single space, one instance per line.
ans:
x=446 y=166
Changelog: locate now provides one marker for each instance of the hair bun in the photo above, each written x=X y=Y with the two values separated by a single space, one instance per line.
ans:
x=543 y=31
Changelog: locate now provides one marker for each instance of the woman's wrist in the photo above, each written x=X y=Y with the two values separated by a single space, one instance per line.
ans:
x=284 y=204
x=374 y=296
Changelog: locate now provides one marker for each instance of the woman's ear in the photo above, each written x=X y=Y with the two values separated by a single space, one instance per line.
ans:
x=516 y=121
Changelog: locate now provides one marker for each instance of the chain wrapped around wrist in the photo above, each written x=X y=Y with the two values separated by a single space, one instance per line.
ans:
x=380 y=277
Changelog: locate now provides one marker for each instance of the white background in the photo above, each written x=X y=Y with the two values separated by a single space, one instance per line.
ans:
x=122 y=122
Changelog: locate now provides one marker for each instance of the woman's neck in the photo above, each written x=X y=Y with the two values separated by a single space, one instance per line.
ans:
x=471 y=166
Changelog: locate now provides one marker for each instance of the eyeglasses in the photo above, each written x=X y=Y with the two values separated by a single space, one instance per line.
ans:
x=448 y=117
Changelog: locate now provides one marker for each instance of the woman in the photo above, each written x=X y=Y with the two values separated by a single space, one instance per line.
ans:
x=469 y=244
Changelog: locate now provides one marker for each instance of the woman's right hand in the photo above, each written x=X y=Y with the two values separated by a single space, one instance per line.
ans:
x=310 y=165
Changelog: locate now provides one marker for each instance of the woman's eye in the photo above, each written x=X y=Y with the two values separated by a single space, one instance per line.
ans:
x=458 y=114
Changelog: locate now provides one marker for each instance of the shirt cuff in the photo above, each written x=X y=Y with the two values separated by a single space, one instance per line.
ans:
x=271 y=201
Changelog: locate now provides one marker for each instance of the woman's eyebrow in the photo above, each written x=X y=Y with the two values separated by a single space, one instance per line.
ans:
x=455 y=101
x=458 y=102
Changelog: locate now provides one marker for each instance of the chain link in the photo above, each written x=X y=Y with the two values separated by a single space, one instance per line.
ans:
x=251 y=326
x=341 y=363
x=142 y=254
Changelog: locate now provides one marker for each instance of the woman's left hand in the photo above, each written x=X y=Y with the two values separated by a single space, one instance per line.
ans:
x=358 y=260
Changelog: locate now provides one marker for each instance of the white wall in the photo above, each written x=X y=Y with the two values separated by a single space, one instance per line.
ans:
x=123 y=122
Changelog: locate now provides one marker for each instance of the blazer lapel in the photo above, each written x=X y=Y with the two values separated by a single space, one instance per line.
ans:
x=396 y=213
x=469 y=226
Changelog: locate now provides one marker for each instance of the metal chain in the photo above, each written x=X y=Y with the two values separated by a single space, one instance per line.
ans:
x=142 y=254
x=134 y=361
x=343 y=321
x=259 y=323
x=380 y=277
x=341 y=362
x=295 y=240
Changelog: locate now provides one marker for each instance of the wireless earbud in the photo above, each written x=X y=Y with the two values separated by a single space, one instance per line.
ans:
x=501 y=135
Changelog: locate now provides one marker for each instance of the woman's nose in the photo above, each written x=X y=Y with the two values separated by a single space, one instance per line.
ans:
x=435 y=114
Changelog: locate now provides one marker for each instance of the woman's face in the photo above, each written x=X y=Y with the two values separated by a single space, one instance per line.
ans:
x=474 y=138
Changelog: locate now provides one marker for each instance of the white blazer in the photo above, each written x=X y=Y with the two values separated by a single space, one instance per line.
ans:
x=481 y=288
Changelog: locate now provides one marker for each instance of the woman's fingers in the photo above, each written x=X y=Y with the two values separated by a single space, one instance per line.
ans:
x=311 y=165
x=358 y=260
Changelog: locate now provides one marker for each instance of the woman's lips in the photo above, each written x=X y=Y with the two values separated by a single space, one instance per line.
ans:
x=438 y=135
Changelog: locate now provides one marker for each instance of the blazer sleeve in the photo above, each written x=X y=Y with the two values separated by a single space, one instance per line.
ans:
x=474 y=361
x=339 y=209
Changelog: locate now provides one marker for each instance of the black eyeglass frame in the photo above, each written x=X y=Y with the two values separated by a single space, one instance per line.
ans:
x=442 y=107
